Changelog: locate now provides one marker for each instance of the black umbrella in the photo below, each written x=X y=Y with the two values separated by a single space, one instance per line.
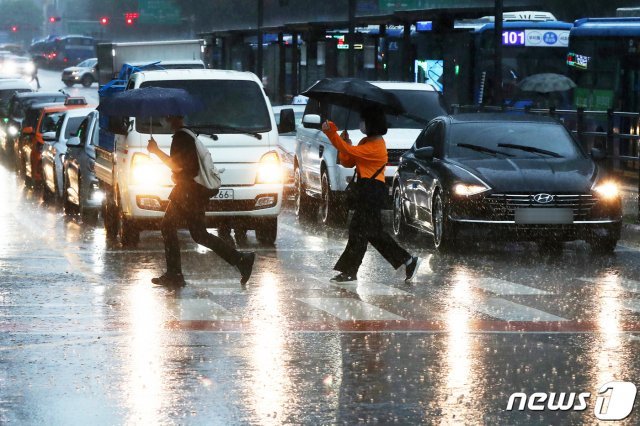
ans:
x=354 y=94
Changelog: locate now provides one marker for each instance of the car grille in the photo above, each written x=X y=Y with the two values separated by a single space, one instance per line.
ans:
x=503 y=206
x=66 y=73
x=394 y=156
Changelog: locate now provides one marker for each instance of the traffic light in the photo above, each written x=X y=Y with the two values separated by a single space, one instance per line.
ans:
x=54 y=19
x=14 y=28
x=131 y=17
x=104 y=20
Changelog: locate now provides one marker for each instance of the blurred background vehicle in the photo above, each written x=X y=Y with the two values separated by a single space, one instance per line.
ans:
x=83 y=73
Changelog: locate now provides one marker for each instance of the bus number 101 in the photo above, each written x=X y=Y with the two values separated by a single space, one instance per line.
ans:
x=513 y=38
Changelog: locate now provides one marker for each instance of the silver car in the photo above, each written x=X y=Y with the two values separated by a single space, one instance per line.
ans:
x=83 y=73
x=81 y=192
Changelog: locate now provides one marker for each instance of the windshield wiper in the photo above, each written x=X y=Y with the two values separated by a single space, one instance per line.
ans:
x=221 y=128
x=530 y=149
x=483 y=149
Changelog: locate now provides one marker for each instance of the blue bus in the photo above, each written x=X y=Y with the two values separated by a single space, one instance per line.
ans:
x=604 y=62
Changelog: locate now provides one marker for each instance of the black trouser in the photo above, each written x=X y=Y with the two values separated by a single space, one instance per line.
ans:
x=193 y=218
x=366 y=227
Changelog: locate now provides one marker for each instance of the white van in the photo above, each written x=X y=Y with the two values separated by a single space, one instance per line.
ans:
x=238 y=127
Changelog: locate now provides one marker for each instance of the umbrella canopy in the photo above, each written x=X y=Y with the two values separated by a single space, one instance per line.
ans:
x=354 y=94
x=150 y=102
x=546 y=83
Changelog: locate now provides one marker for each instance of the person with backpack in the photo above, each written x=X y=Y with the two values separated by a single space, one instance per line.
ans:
x=370 y=158
x=195 y=183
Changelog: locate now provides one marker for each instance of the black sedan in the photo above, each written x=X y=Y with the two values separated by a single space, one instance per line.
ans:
x=504 y=176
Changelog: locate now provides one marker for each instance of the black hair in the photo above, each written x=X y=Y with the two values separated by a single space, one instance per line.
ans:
x=375 y=121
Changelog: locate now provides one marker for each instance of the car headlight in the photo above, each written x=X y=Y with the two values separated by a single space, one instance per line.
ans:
x=466 y=189
x=13 y=131
x=29 y=68
x=607 y=190
x=75 y=72
x=10 y=68
x=269 y=169
x=149 y=172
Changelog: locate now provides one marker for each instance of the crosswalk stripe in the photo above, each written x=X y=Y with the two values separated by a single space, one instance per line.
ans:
x=504 y=288
x=350 y=309
x=511 y=311
x=632 y=305
x=202 y=309
x=370 y=289
x=631 y=286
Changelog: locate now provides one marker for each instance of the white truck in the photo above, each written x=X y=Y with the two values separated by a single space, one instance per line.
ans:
x=173 y=54
x=236 y=124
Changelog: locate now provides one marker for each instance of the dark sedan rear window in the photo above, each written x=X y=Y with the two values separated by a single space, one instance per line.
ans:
x=548 y=137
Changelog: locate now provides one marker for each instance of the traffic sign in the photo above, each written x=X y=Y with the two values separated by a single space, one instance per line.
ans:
x=165 y=12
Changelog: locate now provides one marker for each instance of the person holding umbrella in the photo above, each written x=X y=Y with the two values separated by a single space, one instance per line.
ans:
x=187 y=203
x=370 y=158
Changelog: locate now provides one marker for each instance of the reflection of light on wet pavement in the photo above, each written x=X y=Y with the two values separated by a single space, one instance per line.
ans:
x=457 y=318
x=607 y=349
x=271 y=386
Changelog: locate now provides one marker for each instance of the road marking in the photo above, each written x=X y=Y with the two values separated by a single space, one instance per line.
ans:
x=203 y=309
x=631 y=286
x=505 y=288
x=370 y=289
x=511 y=311
x=632 y=305
x=350 y=309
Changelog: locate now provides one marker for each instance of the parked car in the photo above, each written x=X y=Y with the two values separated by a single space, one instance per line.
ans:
x=287 y=140
x=81 y=191
x=84 y=73
x=502 y=176
x=16 y=113
x=54 y=150
x=8 y=87
x=320 y=179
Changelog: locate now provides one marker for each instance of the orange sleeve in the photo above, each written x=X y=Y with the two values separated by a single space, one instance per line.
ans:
x=364 y=152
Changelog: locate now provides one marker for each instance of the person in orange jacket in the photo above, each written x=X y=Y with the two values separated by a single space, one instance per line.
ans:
x=370 y=158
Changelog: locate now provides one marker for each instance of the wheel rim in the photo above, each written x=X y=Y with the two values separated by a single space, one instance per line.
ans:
x=397 y=211
x=438 y=220
x=297 y=185
x=325 y=198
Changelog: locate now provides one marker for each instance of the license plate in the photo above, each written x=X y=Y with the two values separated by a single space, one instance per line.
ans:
x=223 y=195
x=544 y=216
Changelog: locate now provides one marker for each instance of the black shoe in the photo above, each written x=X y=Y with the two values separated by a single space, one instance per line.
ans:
x=412 y=268
x=169 y=280
x=245 y=266
x=343 y=277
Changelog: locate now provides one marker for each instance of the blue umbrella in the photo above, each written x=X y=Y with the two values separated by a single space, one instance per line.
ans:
x=149 y=102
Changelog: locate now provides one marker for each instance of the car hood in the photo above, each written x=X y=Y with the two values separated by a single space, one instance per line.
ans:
x=513 y=175
x=74 y=69
x=394 y=139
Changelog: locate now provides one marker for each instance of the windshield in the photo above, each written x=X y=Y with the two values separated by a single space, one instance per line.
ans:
x=50 y=121
x=87 y=64
x=419 y=103
x=494 y=136
x=5 y=98
x=229 y=104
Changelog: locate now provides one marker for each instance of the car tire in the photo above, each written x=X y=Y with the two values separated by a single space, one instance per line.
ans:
x=68 y=83
x=47 y=196
x=443 y=232
x=110 y=215
x=332 y=212
x=604 y=245
x=86 y=81
x=305 y=207
x=128 y=233
x=69 y=208
x=400 y=227
x=267 y=231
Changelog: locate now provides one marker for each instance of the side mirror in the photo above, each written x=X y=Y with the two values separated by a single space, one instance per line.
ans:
x=312 y=121
x=27 y=131
x=287 y=121
x=73 y=141
x=119 y=125
x=425 y=153
x=598 y=155
x=49 y=136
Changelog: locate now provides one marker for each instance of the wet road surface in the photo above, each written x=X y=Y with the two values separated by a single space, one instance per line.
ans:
x=86 y=338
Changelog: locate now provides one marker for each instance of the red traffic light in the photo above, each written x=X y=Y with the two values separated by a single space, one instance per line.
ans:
x=14 y=28
x=130 y=17
x=104 y=20
x=53 y=19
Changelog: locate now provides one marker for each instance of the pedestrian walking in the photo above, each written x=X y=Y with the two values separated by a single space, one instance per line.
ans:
x=370 y=158
x=187 y=204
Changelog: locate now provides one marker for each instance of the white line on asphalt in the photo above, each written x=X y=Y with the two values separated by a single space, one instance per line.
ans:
x=511 y=311
x=370 y=289
x=631 y=286
x=503 y=288
x=632 y=305
x=350 y=309
x=203 y=310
